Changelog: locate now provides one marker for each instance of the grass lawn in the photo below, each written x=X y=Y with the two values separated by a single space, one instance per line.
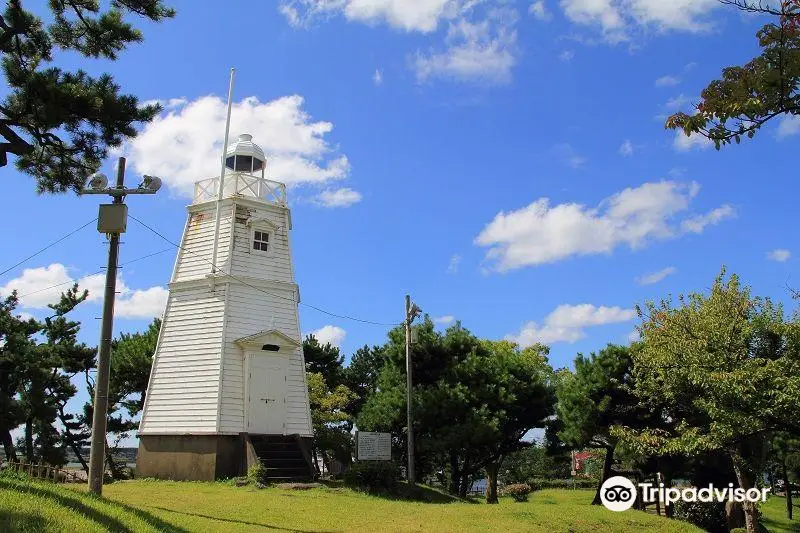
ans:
x=774 y=516
x=169 y=506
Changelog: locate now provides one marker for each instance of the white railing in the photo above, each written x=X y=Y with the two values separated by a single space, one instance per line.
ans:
x=241 y=184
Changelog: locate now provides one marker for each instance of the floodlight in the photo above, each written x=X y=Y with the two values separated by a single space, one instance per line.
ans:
x=151 y=183
x=97 y=181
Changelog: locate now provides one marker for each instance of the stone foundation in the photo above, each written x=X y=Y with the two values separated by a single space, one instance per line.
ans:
x=191 y=457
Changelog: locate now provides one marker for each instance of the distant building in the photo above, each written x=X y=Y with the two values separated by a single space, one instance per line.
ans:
x=228 y=385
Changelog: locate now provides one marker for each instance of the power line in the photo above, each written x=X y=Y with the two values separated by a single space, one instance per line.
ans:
x=216 y=268
x=93 y=274
x=46 y=247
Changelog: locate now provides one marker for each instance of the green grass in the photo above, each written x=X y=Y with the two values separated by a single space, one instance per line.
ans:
x=774 y=516
x=172 y=506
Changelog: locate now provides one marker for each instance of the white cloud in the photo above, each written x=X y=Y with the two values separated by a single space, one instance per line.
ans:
x=567 y=323
x=540 y=233
x=444 y=320
x=539 y=11
x=634 y=336
x=377 y=78
x=789 y=125
x=147 y=303
x=655 y=277
x=419 y=15
x=617 y=19
x=183 y=144
x=698 y=223
x=455 y=262
x=676 y=172
x=627 y=148
x=684 y=143
x=667 y=81
x=780 y=255
x=343 y=197
x=480 y=43
x=569 y=156
x=677 y=103
x=481 y=51
x=566 y=55
x=330 y=334
x=37 y=280
x=39 y=287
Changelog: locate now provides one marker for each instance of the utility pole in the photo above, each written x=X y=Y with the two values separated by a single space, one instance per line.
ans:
x=112 y=221
x=411 y=312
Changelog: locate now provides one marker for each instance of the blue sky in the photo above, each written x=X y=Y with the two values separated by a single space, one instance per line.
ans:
x=503 y=162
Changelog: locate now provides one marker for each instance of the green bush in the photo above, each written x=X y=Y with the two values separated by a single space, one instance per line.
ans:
x=8 y=473
x=256 y=473
x=708 y=516
x=373 y=476
x=518 y=491
x=578 y=483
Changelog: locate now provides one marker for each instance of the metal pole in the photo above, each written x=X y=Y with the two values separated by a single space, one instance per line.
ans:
x=410 y=425
x=97 y=454
x=220 y=190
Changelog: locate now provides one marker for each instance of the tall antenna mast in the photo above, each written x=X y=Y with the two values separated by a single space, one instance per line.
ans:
x=222 y=175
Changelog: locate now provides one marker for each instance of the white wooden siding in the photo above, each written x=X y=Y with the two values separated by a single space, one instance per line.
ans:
x=198 y=382
x=182 y=396
x=195 y=257
x=251 y=311
x=274 y=265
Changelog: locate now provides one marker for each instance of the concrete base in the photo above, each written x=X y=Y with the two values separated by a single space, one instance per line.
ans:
x=200 y=457
x=191 y=457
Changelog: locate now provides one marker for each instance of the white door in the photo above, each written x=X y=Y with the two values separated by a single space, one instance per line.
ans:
x=266 y=411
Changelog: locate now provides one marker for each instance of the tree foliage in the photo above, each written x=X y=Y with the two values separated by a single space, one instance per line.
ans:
x=727 y=366
x=473 y=400
x=323 y=359
x=38 y=361
x=749 y=96
x=596 y=397
x=58 y=123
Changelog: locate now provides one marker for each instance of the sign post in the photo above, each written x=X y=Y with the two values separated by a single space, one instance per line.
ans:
x=371 y=446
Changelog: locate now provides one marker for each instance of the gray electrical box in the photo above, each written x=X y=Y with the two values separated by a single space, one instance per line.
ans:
x=113 y=218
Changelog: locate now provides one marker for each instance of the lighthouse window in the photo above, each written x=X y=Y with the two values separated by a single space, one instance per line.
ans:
x=261 y=240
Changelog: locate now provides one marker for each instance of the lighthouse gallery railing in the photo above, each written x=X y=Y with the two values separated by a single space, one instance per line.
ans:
x=241 y=184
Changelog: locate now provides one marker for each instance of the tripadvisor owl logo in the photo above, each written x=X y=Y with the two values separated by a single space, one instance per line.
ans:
x=618 y=493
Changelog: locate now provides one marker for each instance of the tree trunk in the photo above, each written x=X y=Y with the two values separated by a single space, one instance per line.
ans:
x=29 y=439
x=771 y=477
x=741 y=470
x=112 y=466
x=465 y=482
x=785 y=475
x=316 y=460
x=491 y=482
x=669 y=508
x=455 y=473
x=8 y=445
x=609 y=461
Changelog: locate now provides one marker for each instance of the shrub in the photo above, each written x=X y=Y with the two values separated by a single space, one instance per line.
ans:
x=518 y=491
x=708 y=516
x=256 y=473
x=373 y=476
x=578 y=483
x=8 y=473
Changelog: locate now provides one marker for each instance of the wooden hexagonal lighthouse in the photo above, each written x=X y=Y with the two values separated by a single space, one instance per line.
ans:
x=228 y=386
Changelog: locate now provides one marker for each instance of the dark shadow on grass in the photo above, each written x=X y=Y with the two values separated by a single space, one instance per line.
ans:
x=234 y=521
x=20 y=522
x=75 y=503
x=773 y=525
